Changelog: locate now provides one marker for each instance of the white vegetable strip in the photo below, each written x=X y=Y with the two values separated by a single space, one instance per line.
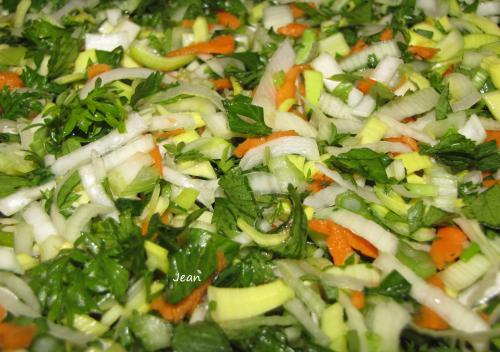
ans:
x=18 y=200
x=453 y=312
x=196 y=90
x=23 y=238
x=206 y=188
x=14 y=306
x=365 y=107
x=142 y=144
x=8 y=261
x=134 y=125
x=488 y=8
x=286 y=121
x=386 y=69
x=483 y=290
x=265 y=93
x=473 y=129
x=410 y=105
x=118 y=74
x=263 y=183
x=334 y=175
x=461 y=274
x=278 y=147
x=381 y=147
x=475 y=234
x=172 y=121
x=277 y=16
x=382 y=239
x=21 y=289
x=355 y=321
x=334 y=107
x=40 y=222
x=327 y=65
x=360 y=59
x=81 y=217
x=325 y=197
x=490 y=124
x=106 y=42
x=95 y=190
x=397 y=129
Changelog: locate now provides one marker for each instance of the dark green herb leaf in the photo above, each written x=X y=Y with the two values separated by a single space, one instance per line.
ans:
x=485 y=207
x=149 y=86
x=200 y=337
x=394 y=285
x=246 y=118
x=364 y=162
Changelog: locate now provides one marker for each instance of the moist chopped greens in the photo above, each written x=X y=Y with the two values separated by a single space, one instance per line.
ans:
x=321 y=166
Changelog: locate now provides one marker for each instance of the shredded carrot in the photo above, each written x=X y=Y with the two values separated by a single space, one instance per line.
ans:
x=288 y=89
x=296 y=11
x=3 y=313
x=145 y=227
x=293 y=30
x=251 y=143
x=365 y=85
x=449 y=70
x=158 y=160
x=223 y=44
x=428 y=318
x=358 y=46
x=165 y=217
x=422 y=51
x=13 y=336
x=10 y=80
x=448 y=245
x=410 y=142
x=176 y=312
x=189 y=24
x=229 y=20
x=493 y=136
x=489 y=182
x=320 y=181
x=386 y=34
x=341 y=241
x=358 y=299
x=222 y=83
x=97 y=69
x=483 y=315
x=167 y=134
x=408 y=119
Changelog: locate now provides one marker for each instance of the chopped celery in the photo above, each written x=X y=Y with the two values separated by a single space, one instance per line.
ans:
x=492 y=100
x=313 y=81
x=392 y=200
x=471 y=250
x=418 y=261
x=420 y=40
x=262 y=239
x=462 y=274
x=334 y=44
x=449 y=47
x=484 y=23
x=89 y=325
x=200 y=30
x=415 y=161
x=12 y=56
x=146 y=57
x=307 y=45
x=240 y=303
x=82 y=61
x=157 y=256
x=412 y=178
x=187 y=198
x=154 y=332
x=477 y=40
x=333 y=325
x=494 y=71
x=373 y=131
x=422 y=190
x=186 y=137
x=197 y=168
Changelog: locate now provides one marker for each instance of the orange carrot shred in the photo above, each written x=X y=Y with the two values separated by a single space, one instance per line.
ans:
x=222 y=83
x=366 y=84
x=97 y=69
x=288 y=89
x=145 y=227
x=493 y=136
x=386 y=34
x=229 y=20
x=320 y=181
x=165 y=217
x=224 y=44
x=428 y=318
x=296 y=11
x=410 y=142
x=251 y=143
x=13 y=336
x=158 y=160
x=363 y=246
x=167 y=134
x=422 y=51
x=358 y=299
x=358 y=46
x=448 y=246
x=10 y=80
x=293 y=30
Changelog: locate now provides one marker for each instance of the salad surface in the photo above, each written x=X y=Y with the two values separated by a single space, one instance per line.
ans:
x=236 y=175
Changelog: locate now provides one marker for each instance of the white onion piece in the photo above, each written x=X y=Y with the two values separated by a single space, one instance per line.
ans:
x=118 y=74
x=397 y=128
x=453 y=312
x=128 y=27
x=348 y=126
x=410 y=105
x=355 y=97
x=286 y=121
x=334 y=107
x=473 y=129
x=206 y=188
x=134 y=126
x=382 y=239
x=265 y=93
x=142 y=144
x=23 y=238
x=218 y=125
x=40 y=222
x=277 y=16
x=72 y=5
x=488 y=8
x=365 y=107
x=360 y=59
x=18 y=200
x=196 y=90
x=325 y=197
x=95 y=190
x=386 y=69
x=21 y=289
x=364 y=192
x=483 y=290
x=106 y=42
x=14 y=306
x=219 y=64
x=8 y=261
x=327 y=65
x=65 y=333
x=462 y=274
x=490 y=124
x=81 y=217
x=113 y=16
x=380 y=147
x=263 y=183
x=281 y=146
x=355 y=321
x=432 y=8
x=472 y=229
x=172 y=121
